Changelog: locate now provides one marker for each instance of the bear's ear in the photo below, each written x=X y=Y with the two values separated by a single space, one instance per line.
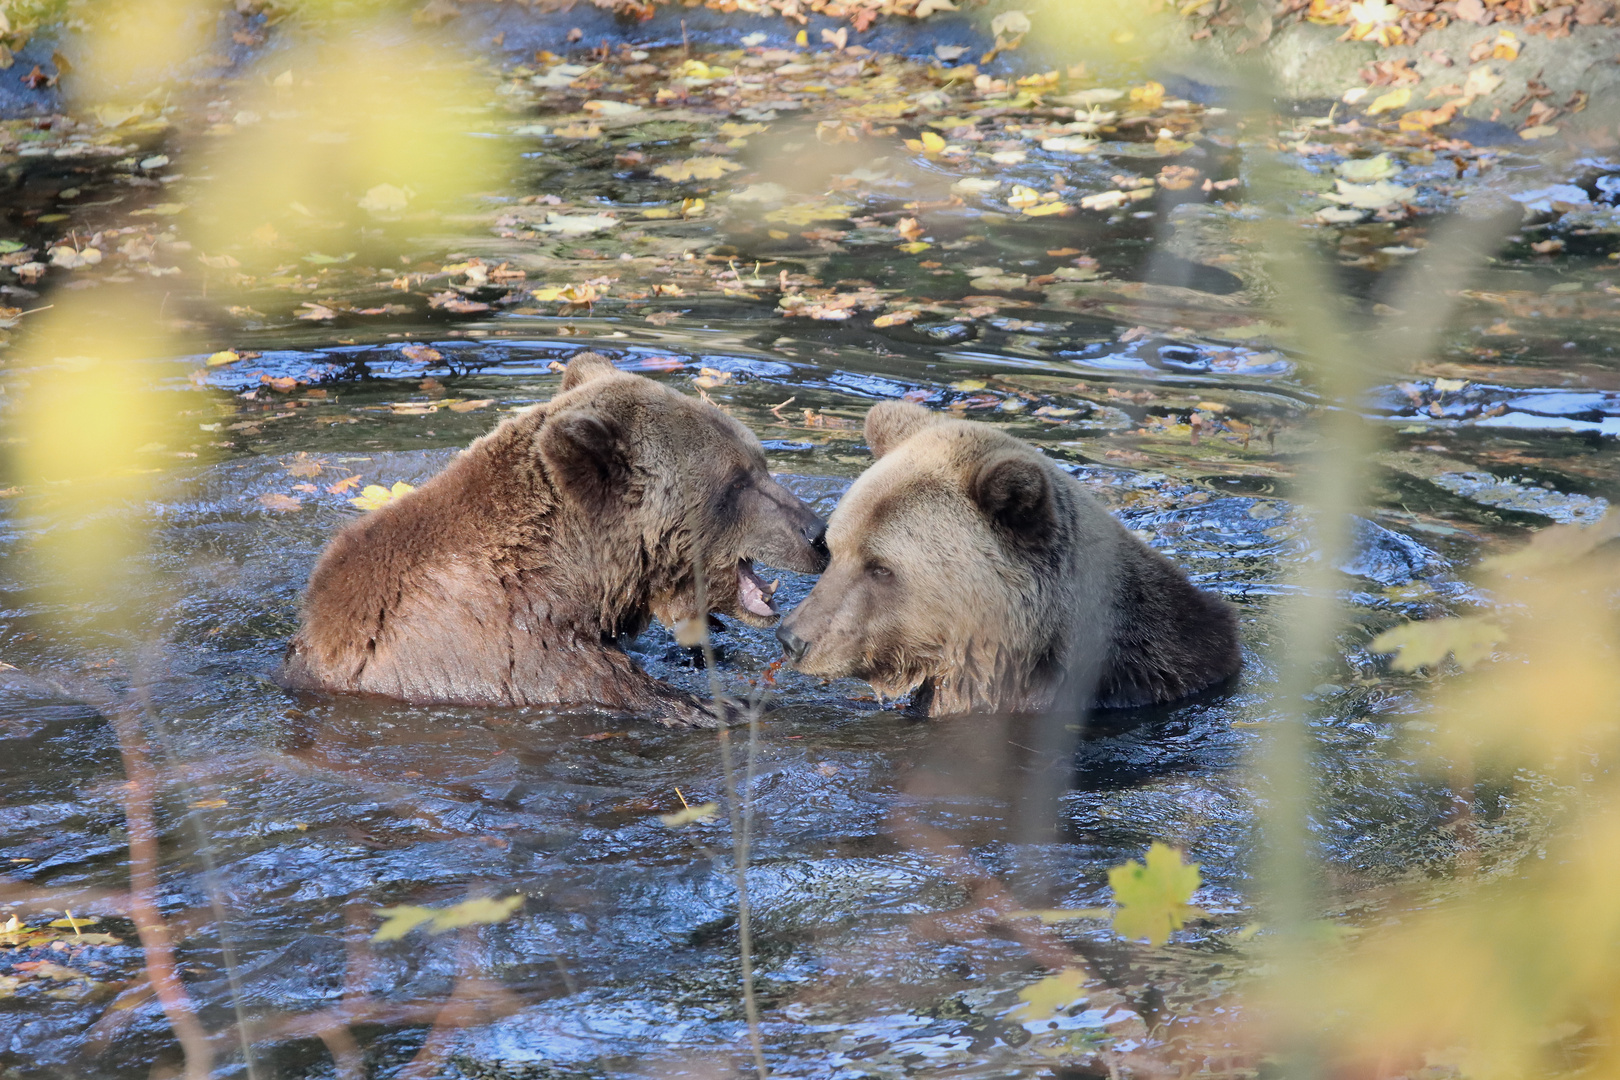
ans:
x=587 y=457
x=584 y=367
x=1016 y=494
x=890 y=423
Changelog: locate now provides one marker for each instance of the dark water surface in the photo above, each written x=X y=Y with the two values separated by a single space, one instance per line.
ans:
x=882 y=846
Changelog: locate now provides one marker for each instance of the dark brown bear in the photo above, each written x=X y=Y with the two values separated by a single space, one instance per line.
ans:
x=506 y=579
x=972 y=572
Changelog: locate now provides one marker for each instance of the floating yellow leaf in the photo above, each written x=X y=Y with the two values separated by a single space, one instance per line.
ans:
x=279 y=504
x=1367 y=170
x=1046 y=209
x=1057 y=915
x=1150 y=95
x=698 y=168
x=1152 y=895
x=914 y=247
x=1050 y=997
x=404 y=918
x=71 y=923
x=1424 y=644
x=220 y=359
x=688 y=814
x=808 y=212
x=375 y=496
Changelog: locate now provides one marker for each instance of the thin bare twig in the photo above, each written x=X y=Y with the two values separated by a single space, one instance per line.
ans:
x=739 y=833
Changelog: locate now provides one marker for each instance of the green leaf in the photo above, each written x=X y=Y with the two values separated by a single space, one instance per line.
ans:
x=1425 y=644
x=1152 y=898
x=8 y=246
x=404 y=918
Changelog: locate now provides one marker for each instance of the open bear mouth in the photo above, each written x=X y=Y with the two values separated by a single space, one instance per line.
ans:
x=753 y=594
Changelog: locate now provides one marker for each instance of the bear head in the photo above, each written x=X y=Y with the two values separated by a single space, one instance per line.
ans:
x=673 y=488
x=948 y=556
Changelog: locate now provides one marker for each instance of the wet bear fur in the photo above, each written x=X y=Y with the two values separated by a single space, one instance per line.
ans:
x=972 y=572
x=507 y=578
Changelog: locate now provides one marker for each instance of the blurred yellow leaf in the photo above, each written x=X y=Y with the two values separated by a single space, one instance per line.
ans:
x=1046 y=209
x=223 y=357
x=375 y=496
x=1050 y=997
x=1555 y=545
x=71 y=923
x=688 y=814
x=1010 y=24
x=1057 y=915
x=1150 y=95
x=698 y=168
x=805 y=213
x=1424 y=644
x=1367 y=170
x=914 y=247
x=386 y=199
x=1152 y=895
x=1395 y=99
x=404 y=918
x=279 y=504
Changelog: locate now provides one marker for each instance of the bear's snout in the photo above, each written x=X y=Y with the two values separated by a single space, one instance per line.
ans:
x=793 y=646
x=788 y=533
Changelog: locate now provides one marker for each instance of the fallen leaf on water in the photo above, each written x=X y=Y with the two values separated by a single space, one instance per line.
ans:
x=304 y=465
x=1152 y=895
x=280 y=504
x=315 y=312
x=1150 y=95
x=421 y=354
x=401 y=920
x=220 y=359
x=165 y=209
x=1367 y=170
x=344 y=486
x=208 y=804
x=698 y=168
x=894 y=318
x=688 y=814
x=72 y=923
x=1050 y=997
x=375 y=496
x=602 y=107
x=456 y=303
x=579 y=131
x=1369 y=196
x=577 y=224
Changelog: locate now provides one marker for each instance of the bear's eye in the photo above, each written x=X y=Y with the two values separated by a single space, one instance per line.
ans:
x=878 y=570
